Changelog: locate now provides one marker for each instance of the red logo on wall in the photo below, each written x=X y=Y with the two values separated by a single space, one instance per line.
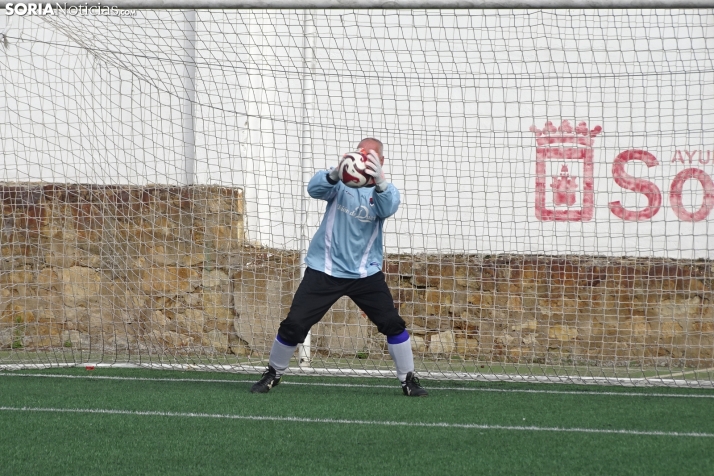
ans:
x=565 y=156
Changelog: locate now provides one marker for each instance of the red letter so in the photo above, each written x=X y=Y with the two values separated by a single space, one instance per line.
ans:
x=675 y=195
x=624 y=180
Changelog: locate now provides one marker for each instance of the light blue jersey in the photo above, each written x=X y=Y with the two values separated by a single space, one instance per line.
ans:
x=348 y=243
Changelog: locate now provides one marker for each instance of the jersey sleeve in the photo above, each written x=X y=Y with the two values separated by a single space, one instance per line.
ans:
x=320 y=188
x=386 y=203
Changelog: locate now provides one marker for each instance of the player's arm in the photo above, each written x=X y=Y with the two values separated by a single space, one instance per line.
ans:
x=386 y=203
x=385 y=195
x=323 y=184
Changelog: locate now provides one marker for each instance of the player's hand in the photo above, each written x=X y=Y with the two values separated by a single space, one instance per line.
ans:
x=374 y=168
x=334 y=173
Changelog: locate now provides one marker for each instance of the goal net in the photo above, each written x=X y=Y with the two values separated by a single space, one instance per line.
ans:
x=555 y=168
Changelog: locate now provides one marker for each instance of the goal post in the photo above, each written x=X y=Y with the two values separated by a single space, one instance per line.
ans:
x=556 y=168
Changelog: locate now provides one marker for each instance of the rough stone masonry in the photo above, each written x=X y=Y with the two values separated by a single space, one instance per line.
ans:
x=167 y=270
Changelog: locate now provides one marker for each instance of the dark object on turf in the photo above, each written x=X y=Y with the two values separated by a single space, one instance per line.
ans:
x=411 y=387
x=268 y=381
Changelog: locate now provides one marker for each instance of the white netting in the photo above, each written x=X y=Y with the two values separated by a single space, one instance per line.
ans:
x=197 y=132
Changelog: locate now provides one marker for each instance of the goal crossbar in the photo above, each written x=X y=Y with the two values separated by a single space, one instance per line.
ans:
x=396 y=4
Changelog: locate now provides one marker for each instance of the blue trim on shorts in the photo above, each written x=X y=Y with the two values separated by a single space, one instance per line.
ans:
x=399 y=338
x=284 y=342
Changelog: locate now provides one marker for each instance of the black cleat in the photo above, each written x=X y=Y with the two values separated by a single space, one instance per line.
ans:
x=411 y=387
x=268 y=381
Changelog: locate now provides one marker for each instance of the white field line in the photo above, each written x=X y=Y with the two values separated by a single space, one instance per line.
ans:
x=468 y=426
x=348 y=385
x=682 y=374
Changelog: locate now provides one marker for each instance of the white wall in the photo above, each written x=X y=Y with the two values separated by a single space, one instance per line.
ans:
x=451 y=93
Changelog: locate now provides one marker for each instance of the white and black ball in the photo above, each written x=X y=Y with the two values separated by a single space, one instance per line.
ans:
x=352 y=170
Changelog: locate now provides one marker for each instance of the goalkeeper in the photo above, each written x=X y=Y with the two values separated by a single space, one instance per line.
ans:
x=345 y=259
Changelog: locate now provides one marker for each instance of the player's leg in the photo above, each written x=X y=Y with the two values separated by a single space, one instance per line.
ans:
x=372 y=295
x=314 y=297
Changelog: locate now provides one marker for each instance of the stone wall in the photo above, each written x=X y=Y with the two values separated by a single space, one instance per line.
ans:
x=118 y=268
x=166 y=270
x=600 y=311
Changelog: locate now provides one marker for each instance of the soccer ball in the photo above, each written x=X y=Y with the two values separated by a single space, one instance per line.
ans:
x=352 y=170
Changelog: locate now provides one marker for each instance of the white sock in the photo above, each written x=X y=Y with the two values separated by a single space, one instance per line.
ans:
x=401 y=355
x=280 y=355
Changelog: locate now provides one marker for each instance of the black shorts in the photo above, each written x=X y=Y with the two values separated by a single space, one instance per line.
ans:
x=319 y=291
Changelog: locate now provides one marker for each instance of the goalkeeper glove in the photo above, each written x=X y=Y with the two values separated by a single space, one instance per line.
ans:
x=374 y=168
x=334 y=173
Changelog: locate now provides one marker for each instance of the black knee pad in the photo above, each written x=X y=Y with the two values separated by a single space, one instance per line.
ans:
x=393 y=326
x=291 y=332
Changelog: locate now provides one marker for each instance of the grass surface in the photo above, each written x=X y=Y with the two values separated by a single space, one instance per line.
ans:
x=518 y=432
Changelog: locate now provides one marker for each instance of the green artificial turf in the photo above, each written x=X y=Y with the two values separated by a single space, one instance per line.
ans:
x=51 y=442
